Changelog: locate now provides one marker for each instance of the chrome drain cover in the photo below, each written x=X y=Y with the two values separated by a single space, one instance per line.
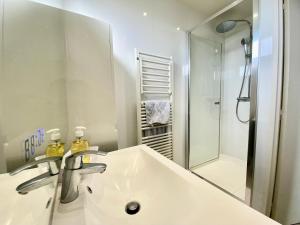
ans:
x=132 y=207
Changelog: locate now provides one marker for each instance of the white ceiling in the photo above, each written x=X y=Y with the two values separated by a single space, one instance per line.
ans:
x=207 y=7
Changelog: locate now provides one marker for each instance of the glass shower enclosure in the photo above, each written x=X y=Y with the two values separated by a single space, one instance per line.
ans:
x=205 y=96
x=219 y=99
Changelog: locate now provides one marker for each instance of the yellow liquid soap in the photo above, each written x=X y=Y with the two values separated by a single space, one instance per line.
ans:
x=55 y=149
x=80 y=145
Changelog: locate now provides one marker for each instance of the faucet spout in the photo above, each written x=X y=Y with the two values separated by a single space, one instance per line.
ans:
x=69 y=190
x=41 y=180
x=36 y=182
x=89 y=168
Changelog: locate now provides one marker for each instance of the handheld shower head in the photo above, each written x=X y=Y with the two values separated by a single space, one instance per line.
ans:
x=246 y=42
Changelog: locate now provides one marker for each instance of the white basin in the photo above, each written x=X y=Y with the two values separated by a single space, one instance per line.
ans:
x=167 y=193
x=29 y=209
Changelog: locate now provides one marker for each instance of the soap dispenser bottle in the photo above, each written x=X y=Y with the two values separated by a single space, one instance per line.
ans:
x=55 y=147
x=80 y=144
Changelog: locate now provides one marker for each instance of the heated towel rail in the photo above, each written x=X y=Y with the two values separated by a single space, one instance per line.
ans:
x=155 y=82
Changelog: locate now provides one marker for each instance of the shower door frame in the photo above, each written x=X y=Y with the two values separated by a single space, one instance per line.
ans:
x=219 y=106
x=253 y=107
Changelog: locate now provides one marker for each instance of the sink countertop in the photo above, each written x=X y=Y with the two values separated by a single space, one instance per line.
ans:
x=168 y=195
x=30 y=209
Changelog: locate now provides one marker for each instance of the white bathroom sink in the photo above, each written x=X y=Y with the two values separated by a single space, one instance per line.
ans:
x=167 y=194
x=34 y=208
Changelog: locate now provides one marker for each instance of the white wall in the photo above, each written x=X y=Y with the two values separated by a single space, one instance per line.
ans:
x=234 y=134
x=156 y=34
x=286 y=208
x=267 y=53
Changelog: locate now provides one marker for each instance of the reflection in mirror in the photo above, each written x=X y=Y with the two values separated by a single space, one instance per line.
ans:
x=54 y=75
x=56 y=72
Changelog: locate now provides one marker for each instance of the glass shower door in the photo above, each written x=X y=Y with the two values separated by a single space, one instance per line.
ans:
x=205 y=96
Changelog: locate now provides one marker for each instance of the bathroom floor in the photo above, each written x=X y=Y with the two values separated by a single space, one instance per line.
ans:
x=227 y=172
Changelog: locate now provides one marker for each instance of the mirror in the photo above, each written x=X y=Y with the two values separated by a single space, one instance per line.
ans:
x=56 y=72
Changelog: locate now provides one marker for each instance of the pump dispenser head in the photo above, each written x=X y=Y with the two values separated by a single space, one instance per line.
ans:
x=54 y=134
x=79 y=131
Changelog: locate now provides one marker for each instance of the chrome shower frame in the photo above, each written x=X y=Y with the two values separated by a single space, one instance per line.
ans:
x=253 y=105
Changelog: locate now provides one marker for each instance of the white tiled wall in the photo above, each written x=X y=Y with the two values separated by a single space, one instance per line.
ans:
x=234 y=134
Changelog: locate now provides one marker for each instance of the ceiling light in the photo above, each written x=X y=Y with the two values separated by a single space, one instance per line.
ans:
x=145 y=13
x=178 y=28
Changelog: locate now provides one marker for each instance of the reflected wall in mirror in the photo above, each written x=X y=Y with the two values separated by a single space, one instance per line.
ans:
x=56 y=72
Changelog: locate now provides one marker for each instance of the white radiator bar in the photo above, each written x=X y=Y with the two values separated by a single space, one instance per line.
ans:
x=155 y=68
x=154 y=56
x=157 y=62
x=155 y=81
x=155 y=74
x=157 y=136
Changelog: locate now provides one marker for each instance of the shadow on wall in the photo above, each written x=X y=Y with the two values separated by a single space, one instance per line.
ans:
x=125 y=84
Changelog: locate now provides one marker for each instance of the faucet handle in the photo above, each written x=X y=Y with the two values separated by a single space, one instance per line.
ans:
x=49 y=160
x=70 y=160
x=88 y=152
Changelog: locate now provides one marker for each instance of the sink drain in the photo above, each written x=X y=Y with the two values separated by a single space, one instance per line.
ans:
x=132 y=208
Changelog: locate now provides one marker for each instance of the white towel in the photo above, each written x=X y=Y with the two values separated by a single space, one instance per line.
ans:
x=157 y=112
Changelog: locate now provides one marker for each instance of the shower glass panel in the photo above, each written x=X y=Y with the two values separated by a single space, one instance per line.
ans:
x=205 y=100
x=219 y=99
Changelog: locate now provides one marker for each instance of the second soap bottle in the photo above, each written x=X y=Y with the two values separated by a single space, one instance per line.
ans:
x=80 y=144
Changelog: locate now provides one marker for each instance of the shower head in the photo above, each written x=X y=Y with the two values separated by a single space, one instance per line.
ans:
x=229 y=25
x=226 y=26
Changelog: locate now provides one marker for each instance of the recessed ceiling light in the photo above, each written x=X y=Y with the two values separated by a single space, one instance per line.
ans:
x=145 y=13
x=178 y=28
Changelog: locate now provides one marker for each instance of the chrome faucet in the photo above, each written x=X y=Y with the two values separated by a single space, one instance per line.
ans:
x=69 y=190
x=41 y=180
